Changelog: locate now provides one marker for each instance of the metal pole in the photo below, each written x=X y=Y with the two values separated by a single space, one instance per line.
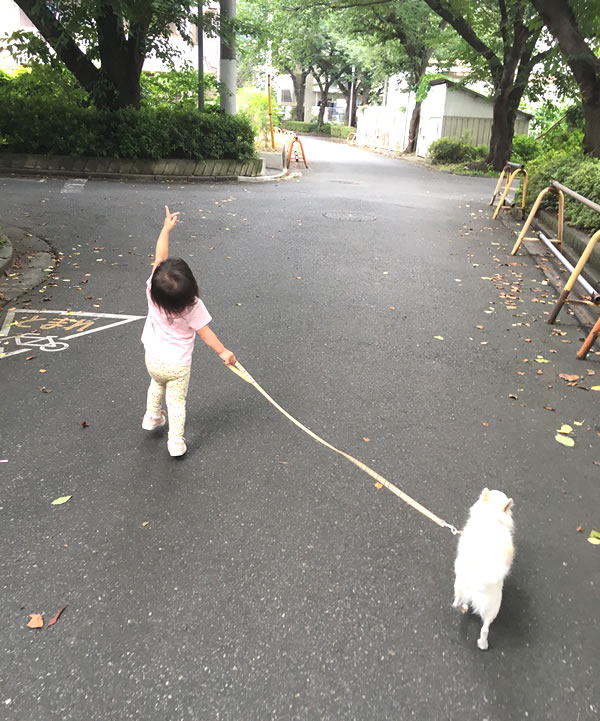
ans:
x=227 y=64
x=200 y=39
x=595 y=296
x=352 y=100
x=270 y=111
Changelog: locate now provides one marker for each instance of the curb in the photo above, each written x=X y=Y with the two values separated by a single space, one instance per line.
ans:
x=262 y=178
x=142 y=178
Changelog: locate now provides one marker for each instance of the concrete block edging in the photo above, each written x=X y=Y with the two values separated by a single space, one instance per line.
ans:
x=191 y=170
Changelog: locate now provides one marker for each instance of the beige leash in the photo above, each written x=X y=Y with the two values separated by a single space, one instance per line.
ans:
x=239 y=370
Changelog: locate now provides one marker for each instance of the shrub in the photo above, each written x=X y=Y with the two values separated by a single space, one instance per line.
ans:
x=46 y=125
x=299 y=126
x=524 y=149
x=255 y=105
x=451 y=150
x=341 y=131
x=577 y=171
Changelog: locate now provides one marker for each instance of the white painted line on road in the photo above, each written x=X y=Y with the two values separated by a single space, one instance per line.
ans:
x=76 y=185
x=30 y=340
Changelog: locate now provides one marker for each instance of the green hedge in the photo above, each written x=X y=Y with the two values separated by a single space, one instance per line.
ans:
x=333 y=130
x=524 y=149
x=51 y=126
x=452 y=150
x=579 y=172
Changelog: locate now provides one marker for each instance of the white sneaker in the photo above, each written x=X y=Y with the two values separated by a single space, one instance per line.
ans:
x=150 y=422
x=177 y=446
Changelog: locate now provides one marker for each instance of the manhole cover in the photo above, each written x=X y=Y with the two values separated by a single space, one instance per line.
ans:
x=352 y=217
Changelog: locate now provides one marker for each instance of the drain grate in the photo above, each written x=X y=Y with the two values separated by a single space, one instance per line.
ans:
x=352 y=217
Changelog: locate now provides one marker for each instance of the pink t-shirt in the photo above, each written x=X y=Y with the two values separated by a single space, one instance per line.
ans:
x=172 y=339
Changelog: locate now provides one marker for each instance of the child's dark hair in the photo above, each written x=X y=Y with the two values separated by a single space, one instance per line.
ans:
x=173 y=287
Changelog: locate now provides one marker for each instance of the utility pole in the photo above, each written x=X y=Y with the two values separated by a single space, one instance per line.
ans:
x=227 y=65
x=200 y=38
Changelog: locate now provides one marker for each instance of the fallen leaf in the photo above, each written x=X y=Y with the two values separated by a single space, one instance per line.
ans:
x=483 y=423
x=43 y=370
x=36 y=621
x=579 y=529
x=479 y=326
x=548 y=408
x=31 y=357
x=578 y=423
x=380 y=485
x=85 y=424
x=439 y=337
x=594 y=540
x=595 y=534
x=540 y=372
x=590 y=372
x=565 y=440
x=568 y=377
x=61 y=500
x=541 y=359
x=596 y=388
x=145 y=523
x=55 y=618
x=565 y=428
x=512 y=395
x=366 y=440
x=45 y=390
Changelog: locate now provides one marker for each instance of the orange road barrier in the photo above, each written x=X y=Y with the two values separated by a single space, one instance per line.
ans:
x=576 y=271
x=295 y=140
x=509 y=176
x=589 y=341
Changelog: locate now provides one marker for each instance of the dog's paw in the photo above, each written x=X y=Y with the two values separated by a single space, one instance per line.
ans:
x=483 y=645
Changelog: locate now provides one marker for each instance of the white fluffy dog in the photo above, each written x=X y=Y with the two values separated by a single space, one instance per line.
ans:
x=484 y=558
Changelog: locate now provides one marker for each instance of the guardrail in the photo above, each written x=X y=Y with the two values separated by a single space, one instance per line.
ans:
x=509 y=176
x=576 y=271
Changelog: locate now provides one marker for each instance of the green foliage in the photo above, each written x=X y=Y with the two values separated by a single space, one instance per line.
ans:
x=254 y=104
x=178 y=87
x=340 y=131
x=451 y=150
x=298 y=126
x=333 y=130
x=524 y=149
x=577 y=171
x=43 y=81
x=49 y=125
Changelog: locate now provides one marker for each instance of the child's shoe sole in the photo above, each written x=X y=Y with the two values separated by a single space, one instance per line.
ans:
x=176 y=448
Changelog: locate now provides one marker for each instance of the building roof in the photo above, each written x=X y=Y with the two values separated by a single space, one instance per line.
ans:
x=457 y=86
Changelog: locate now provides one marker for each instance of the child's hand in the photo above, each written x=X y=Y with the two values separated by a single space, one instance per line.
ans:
x=170 y=219
x=227 y=357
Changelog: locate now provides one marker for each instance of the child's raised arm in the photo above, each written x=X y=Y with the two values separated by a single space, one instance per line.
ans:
x=162 y=244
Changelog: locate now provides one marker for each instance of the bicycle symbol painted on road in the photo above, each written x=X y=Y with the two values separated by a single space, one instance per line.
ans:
x=39 y=329
x=45 y=343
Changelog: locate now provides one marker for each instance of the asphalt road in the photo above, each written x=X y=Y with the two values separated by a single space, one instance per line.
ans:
x=263 y=577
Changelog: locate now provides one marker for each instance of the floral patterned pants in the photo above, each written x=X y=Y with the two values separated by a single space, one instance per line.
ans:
x=171 y=381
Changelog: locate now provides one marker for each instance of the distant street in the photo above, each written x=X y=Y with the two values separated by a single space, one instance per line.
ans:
x=262 y=577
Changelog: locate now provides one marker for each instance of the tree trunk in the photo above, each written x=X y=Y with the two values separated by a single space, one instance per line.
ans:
x=503 y=127
x=324 y=100
x=413 y=129
x=562 y=23
x=299 y=82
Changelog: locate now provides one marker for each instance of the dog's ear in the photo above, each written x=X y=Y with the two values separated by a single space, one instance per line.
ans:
x=508 y=505
x=485 y=495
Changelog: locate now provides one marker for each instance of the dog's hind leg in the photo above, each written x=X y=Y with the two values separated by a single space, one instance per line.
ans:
x=488 y=614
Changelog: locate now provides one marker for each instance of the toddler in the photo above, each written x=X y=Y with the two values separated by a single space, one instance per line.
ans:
x=175 y=315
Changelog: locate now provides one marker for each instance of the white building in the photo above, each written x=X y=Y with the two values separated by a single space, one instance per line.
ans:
x=448 y=111
x=286 y=98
